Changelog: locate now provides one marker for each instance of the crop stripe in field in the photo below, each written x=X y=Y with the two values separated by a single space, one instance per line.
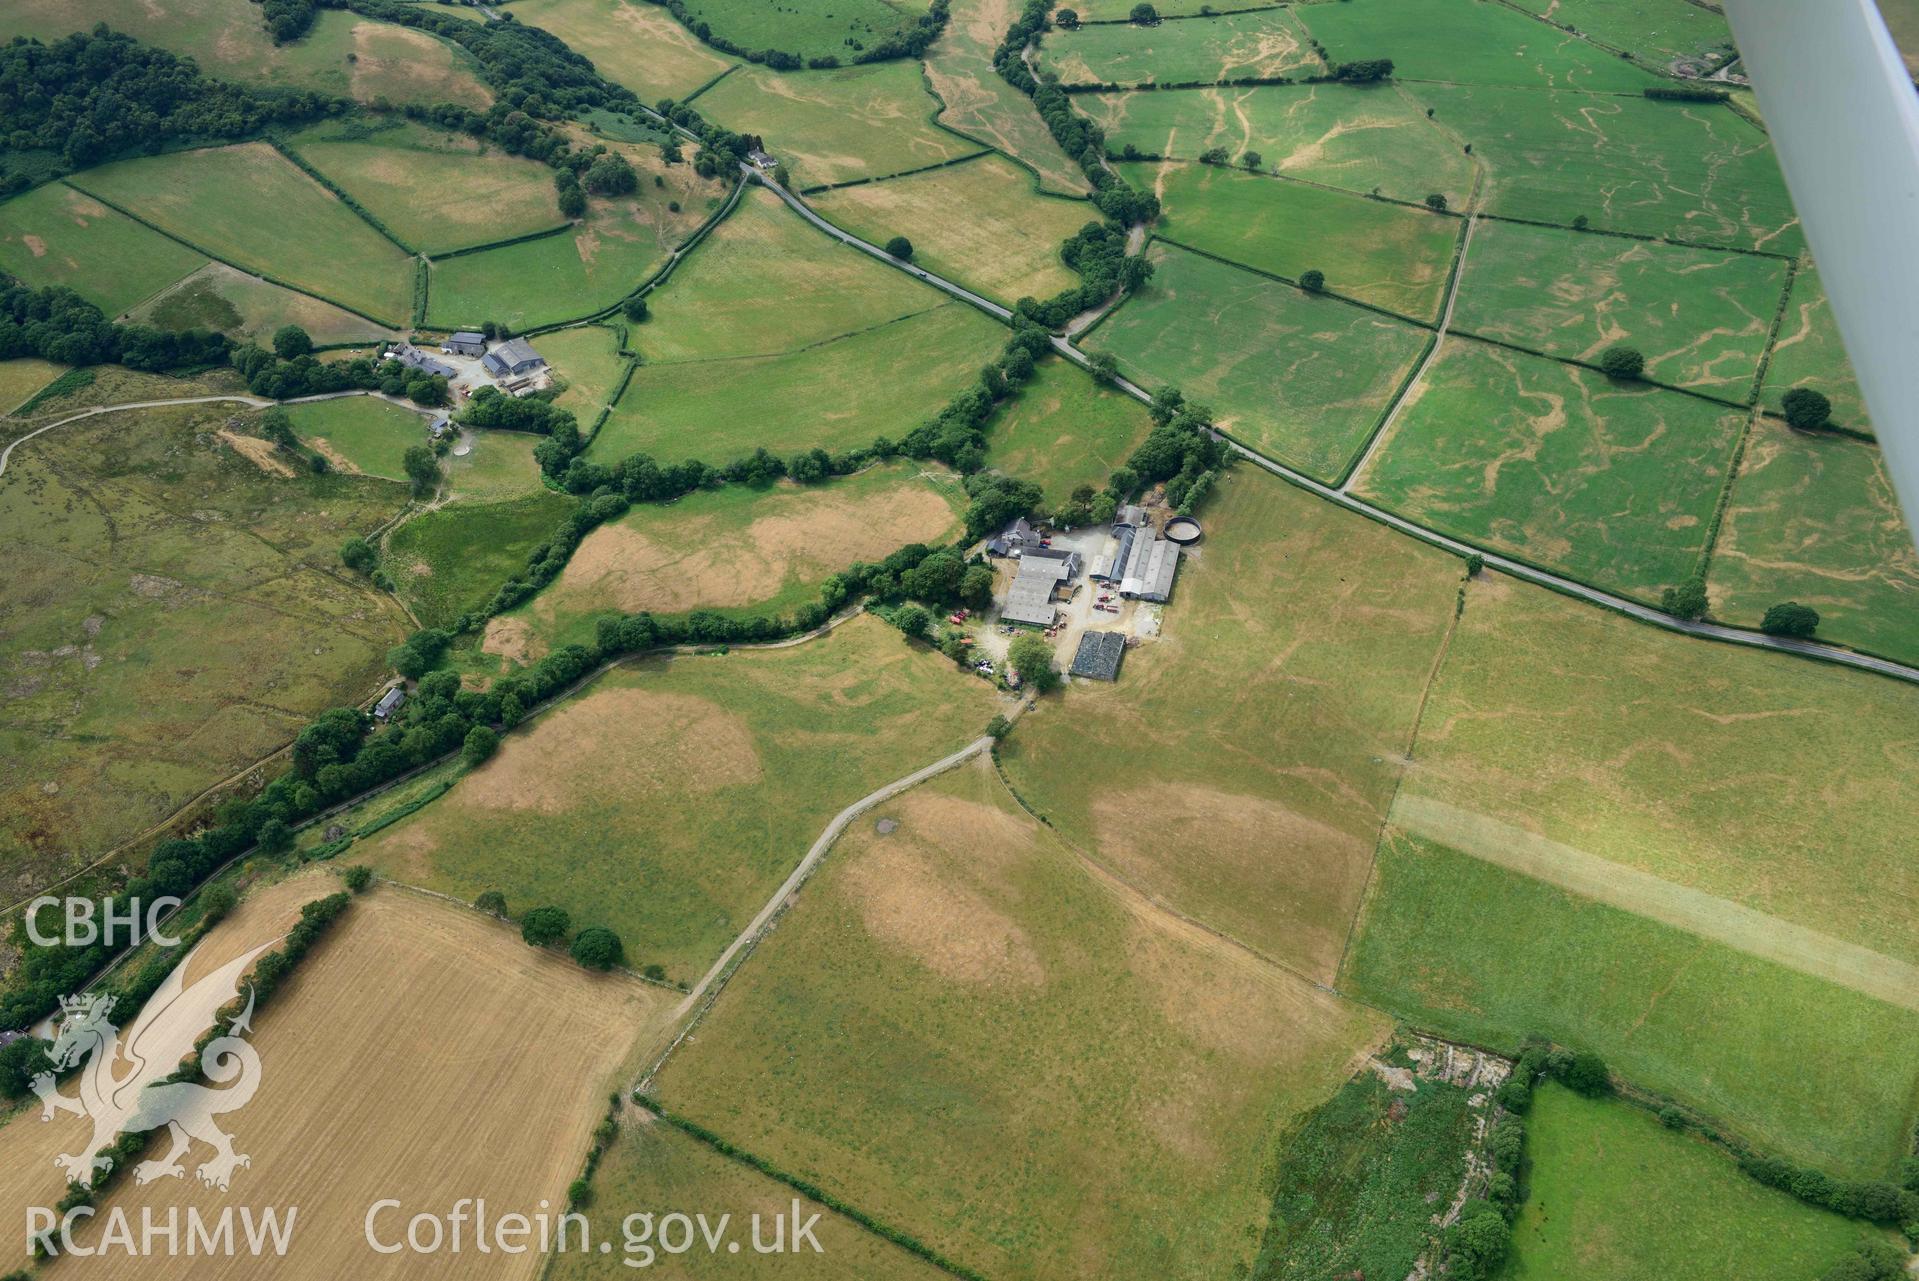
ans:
x=340 y=194
x=911 y=1244
x=245 y=271
x=904 y=173
x=1618 y=885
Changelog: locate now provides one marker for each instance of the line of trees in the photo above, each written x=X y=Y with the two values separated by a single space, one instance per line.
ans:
x=911 y=41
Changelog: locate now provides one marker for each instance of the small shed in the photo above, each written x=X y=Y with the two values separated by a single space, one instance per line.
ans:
x=389 y=703
x=1099 y=655
x=466 y=343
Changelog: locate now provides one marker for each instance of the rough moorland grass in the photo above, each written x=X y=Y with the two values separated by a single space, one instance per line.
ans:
x=841 y=393
x=1700 y=316
x=1616 y=1196
x=20 y=378
x=1386 y=255
x=611 y=252
x=1274 y=711
x=765 y=281
x=809 y=28
x=1063 y=430
x=587 y=359
x=170 y=613
x=655 y=1169
x=1472 y=43
x=1031 y=1069
x=251 y=206
x=364 y=434
x=1358 y=1178
x=979 y=223
x=1363 y=138
x=1801 y=1066
x=1265 y=44
x=1614 y=484
x=453 y=559
x=980 y=103
x=1813 y=518
x=834 y=126
x=683 y=791
x=1661 y=31
x=56 y=236
x=436 y=191
x=1808 y=353
x=1688 y=171
x=631 y=43
x=249 y=309
x=1302 y=378
x=343 y=54
x=736 y=550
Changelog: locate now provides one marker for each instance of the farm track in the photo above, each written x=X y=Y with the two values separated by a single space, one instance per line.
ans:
x=1814 y=650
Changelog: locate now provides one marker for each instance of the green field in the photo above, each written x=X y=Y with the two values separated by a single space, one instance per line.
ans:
x=1467 y=42
x=1684 y=171
x=621 y=242
x=808 y=28
x=1304 y=379
x=837 y=394
x=1357 y=1178
x=587 y=359
x=249 y=309
x=1807 y=1068
x=1026 y=1066
x=1808 y=353
x=1612 y=483
x=1063 y=430
x=1369 y=139
x=683 y=790
x=1275 y=709
x=631 y=43
x=835 y=126
x=343 y=54
x=1700 y=316
x=367 y=435
x=54 y=235
x=22 y=377
x=497 y=466
x=979 y=223
x=171 y=612
x=252 y=207
x=765 y=281
x=1616 y=1196
x=451 y=560
x=737 y=550
x=979 y=102
x=1664 y=32
x=1813 y=518
x=1387 y=255
x=1190 y=51
x=654 y=1169
x=436 y=191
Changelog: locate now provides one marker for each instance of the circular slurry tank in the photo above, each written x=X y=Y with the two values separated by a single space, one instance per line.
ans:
x=1182 y=530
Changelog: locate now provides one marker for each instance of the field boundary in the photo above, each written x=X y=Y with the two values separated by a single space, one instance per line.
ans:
x=546 y=233
x=904 y=173
x=1039 y=179
x=246 y=271
x=688 y=99
x=340 y=194
x=1334 y=294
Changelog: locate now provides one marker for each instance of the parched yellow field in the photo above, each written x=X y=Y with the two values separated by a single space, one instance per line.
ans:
x=22 y=377
x=974 y=1035
x=832 y=126
x=981 y=104
x=421 y=1052
x=980 y=223
x=631 y=43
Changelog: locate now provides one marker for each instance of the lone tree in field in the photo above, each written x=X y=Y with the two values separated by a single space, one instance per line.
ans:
x=358 y=555
x=1688 y=600
x=1252 y=160
x=1313 y=280
x=1790 y=619
x=1032 y=658
x=422 y=468
x=290 y=341
x=1436 y=202
x=1214 y=156
x=1806 y=409
x=1622 y=362
x=492 y=902
x=901 y=248
x=358 y=877
x=545 y=926
x=1066 y=20
x=636 y=310
x=278 y=426
x=1144 y=15
x=598 y=949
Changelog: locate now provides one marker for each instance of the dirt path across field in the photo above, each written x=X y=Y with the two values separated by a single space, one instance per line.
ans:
x=1643 y=894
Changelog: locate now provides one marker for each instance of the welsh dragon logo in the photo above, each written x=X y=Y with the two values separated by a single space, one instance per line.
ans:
x=121 y=1085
